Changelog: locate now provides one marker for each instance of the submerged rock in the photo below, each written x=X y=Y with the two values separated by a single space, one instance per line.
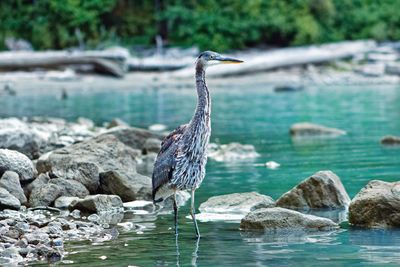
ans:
x=128 y=186
x=8 y=201
x=376 y=205
x=311 y=129
x=99 y=203
x=272 y=219
x=322 y=190
x=10 y=182
x=236 y=203
x=390 y=140
x=15 y=161
x=231 y=152
x=288 y=88
x=84 y=161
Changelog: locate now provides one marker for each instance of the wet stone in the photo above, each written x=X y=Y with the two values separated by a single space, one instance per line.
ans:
x=37 y=237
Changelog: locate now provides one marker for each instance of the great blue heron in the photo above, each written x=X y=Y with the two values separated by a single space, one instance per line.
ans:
x=180 y=164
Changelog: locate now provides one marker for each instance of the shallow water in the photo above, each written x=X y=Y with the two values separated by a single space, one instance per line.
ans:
x=260 y=117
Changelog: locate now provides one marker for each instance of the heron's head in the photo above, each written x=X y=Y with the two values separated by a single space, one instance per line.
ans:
x=210 y=58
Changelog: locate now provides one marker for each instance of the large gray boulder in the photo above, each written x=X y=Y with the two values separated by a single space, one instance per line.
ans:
x=8 y=201
x=129 y=187
x=311 y=129
x=47 y=194
x=40 y=181
x=136 y=138
x=322 y=190
x=98 y=203
x=240 y=203
x=84 y=161
x=10 y=182
x=15 y=161
x=17 y=135
x=273 y=219
x=376 y=205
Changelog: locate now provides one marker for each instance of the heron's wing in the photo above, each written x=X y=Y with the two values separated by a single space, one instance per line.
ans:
x=165 y=162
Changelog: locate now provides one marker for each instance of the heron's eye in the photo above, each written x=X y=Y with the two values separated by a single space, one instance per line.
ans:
x=211 y=57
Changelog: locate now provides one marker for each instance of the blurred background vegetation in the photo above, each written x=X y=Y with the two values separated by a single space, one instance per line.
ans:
x=210 y=24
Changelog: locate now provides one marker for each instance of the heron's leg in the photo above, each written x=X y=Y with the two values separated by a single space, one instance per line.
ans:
x=192 y=212
x=176 y=214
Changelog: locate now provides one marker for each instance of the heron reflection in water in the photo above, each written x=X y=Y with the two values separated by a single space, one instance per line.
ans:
x=180 y=164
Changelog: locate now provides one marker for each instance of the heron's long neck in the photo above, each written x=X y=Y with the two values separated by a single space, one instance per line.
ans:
x=203 y=109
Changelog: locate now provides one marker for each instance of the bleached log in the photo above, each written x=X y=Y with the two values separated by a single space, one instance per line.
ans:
x=109 y=62
x=287 y=57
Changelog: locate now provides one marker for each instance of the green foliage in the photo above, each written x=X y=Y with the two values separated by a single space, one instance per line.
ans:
x=210 y=24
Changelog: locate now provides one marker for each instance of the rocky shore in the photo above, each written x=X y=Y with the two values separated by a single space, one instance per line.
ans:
x=63 y=181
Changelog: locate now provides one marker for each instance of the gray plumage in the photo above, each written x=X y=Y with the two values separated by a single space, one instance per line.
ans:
x=181 y=162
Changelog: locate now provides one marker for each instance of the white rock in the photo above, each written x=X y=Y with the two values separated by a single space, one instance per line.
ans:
x=157 y=127
x=137 y=204
x=272 y=165
x=231 y=152
x=226 y=217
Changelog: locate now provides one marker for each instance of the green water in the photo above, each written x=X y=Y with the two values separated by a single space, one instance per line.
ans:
x=260 y=117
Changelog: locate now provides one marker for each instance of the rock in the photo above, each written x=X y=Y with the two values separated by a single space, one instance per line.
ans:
x=128 y=186
x=322 y=190
x=392 y=69
x=145 y=164
x=133 y=137
x=98 y=203
x=272 y=219
x=231 y=152
x=17 y=135
x=390 y=140
x=37 y=237
x=55 y=188
x=288 y=88
x=272 y=165
x=140 y=204
x=45 y=195
x=117 y=123
x=40 y=181
x=70 y=188
x=152 y=145
x=15 y=161
x=376 y=205
x=8 y=201
x=372 y=70
x=12 y=254
x=311 y=129
x=157 y=127
x=65 y=202
x=10 y=182
x=236 y=203
x=84 y=161
x=181 y=198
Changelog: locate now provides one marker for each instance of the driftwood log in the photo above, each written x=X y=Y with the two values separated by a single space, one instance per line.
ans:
x=106 y=62
x=260 y=61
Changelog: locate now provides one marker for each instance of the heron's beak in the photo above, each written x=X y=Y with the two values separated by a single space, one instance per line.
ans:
x=229 y=60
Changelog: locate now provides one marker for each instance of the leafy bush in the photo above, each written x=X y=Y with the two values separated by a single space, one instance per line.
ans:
x=210 y=24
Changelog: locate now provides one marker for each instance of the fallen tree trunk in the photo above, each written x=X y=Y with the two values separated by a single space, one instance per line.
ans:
x=111 y=63
x=286 y=57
